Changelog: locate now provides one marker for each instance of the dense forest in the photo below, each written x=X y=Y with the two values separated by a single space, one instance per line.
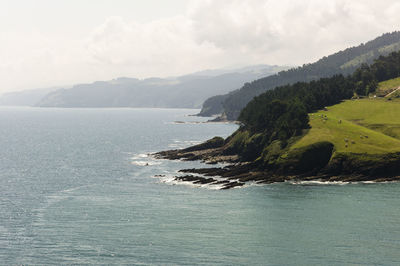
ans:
x=344 y=62
x=282 y=113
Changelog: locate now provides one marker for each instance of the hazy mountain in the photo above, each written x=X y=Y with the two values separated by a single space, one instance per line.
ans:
x=187 y=91
x=343 y=62
x=255 y=69
x=25 y=98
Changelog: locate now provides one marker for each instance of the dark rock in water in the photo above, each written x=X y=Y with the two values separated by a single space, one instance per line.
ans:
x=221 y=182
x=208 y=152
x=195 y=179
x=205 y=171
x=232 y=185
x=202 y=181
x=312 y=162
x=205 y=181
x=188 y=178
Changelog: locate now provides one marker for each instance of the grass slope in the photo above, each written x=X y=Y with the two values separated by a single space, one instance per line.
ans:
x=370 y=126
x=388 y=86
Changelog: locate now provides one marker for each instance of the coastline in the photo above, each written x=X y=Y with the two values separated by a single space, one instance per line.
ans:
x=342 y=168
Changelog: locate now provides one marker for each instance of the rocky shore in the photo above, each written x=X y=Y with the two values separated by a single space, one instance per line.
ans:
x=341 y=168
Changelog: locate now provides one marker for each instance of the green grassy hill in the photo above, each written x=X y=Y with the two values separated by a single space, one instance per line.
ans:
x=370 y=126
x=389 y=86
x=318 y=130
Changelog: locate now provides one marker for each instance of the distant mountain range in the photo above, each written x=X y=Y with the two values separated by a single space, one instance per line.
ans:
x=25 y=98
x=187 y=91
x=343 y=62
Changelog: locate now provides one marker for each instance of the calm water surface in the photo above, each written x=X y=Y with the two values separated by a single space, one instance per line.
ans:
x=77 y=188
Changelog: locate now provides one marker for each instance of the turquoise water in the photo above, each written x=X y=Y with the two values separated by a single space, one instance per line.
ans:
x=77 y=188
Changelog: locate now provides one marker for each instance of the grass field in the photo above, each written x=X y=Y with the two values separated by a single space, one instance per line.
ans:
x=370 y=126
x=389 y=85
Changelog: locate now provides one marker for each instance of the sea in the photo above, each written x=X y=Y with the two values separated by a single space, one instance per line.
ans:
x=78 y=186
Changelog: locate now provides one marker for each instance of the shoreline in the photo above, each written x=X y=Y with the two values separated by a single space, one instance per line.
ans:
x=238 y=174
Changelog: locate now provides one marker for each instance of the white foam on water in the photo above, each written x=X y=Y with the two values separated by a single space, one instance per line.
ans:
x=174 y=146
x=197 y=122
x=184 y=123
x=374 y=182
x=336 y=183
x=140 y=156
x=254 y=184
x=316 y=182
x=170 y=180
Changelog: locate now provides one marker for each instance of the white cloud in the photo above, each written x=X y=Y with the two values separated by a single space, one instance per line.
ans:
x=211 y=34
x=290 y=31
x=161 y=47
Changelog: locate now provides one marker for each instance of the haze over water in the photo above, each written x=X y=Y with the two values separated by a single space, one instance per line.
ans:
x=78 y=188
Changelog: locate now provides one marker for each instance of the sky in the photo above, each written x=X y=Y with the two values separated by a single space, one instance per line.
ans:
x=46 y=43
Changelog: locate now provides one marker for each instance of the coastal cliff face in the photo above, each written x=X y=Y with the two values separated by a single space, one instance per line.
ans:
x=318 y=161
x=284 y=137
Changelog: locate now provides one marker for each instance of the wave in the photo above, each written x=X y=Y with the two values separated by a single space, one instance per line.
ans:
x=335 y=183
x=140 y=156
x=170 y=180
x=186 y=122
x=198 y=122
x=318 y=182
x=380 y=182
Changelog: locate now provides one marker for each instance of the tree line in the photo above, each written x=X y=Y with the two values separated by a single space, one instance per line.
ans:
x=282 y=113
x=343 y=62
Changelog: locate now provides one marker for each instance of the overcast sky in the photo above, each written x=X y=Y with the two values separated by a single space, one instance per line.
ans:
x=46 y=43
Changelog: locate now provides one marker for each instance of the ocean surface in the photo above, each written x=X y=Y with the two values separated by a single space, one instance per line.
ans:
x=77 y=187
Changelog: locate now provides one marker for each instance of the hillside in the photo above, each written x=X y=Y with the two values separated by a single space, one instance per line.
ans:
x=344 y=62
x=369 y=126
x=389 y=88
x=358 y=140
x=182 y=92
x=24 y=98
x=332 y=129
